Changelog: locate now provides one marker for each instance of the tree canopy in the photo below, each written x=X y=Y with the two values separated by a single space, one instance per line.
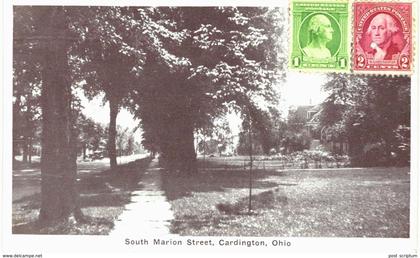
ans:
x=234 y=59
x=177 y=69
x=373 y=114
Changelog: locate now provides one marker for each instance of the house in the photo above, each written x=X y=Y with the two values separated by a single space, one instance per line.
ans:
x=307 y=118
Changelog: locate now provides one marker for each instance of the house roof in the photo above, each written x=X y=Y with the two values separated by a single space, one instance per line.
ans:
x=301 y=112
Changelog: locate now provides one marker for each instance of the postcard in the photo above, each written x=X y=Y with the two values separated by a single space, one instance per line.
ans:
x=175 y=128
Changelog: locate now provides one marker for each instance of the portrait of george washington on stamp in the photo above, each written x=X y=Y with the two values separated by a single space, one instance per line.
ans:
x=319 y=36
x=320 y=33
x=382 y=37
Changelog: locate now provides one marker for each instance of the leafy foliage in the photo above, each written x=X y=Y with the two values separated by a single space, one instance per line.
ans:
x=369 y=112
x=231 y=64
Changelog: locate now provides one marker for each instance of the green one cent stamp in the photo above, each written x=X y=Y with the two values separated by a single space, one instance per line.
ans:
x=320 y=38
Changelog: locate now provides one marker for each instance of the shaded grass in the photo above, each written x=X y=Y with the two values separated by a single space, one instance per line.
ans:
x=17 y=164
x=371 y=202
x=213 y=180
x=103 y=196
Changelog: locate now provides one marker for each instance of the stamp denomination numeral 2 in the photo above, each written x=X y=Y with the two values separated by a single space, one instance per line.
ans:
x=382 y=37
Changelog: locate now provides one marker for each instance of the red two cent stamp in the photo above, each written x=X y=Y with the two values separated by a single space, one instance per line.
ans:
x=382 y=37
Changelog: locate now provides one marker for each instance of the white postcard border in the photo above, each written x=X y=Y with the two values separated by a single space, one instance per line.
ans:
x=94 y=244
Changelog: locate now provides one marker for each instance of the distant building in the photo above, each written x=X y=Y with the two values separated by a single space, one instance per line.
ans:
x=308 y=118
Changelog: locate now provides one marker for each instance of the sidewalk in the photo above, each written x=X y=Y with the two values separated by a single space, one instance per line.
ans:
x=149 y=213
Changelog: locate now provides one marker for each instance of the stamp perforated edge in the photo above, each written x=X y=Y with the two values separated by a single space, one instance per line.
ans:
x=394 y=73
x=290 y=45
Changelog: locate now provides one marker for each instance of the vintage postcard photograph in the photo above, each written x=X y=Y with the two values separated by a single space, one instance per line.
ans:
x=240 y=128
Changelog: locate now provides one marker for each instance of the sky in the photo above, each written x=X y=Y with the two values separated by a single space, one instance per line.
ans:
x=99 y=112
x=302 y=89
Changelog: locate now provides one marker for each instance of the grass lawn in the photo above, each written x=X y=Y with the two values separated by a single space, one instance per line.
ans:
x=103 y=195
x=368 y=202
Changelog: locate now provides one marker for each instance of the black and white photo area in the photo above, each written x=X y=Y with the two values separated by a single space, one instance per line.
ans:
x=161 y=127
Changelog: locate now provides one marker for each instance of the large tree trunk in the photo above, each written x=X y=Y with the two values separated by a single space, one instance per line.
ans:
x=388 y=140
x=112 y=132
x=177 y=147
x=84 y=150
x=25 y=149
x=30 y=147
x=187 y=156
x=58 y=158
x=16 y=126
x=27 y=129
x=15 y=149
x=357 y=157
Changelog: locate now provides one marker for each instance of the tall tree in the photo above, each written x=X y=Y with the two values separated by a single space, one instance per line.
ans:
x=45 y=31
x=267 y=130
x=234 y=62
x=26 y=107
x=371 y=112
x=26 y=93
x=90 y=134
x=112 y=52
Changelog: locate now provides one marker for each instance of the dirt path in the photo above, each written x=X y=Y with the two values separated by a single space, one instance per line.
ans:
x=149 y=213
